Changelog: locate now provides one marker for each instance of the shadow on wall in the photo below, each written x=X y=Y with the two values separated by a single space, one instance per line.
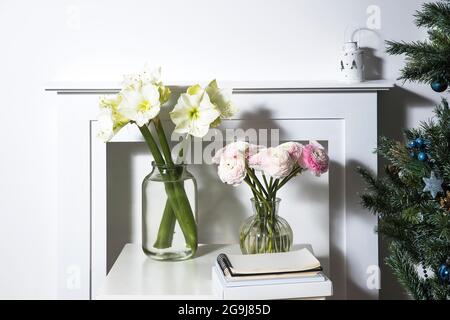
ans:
x=373 y=65
x=119 y=204
x=393 y=108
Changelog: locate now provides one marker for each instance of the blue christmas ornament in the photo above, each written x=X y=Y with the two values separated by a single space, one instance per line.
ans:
x=412 y=144
x=422 y=156
x=420 y=142
x=439 y=86
x=412 y=154
x=433 y=185
x=444 y=273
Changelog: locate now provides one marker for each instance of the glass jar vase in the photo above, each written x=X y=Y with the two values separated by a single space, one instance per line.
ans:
x=169 y=213
x=265 y=231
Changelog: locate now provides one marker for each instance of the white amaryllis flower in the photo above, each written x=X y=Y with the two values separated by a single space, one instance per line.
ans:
x=145 y=77
x=140 y=103
x=106 y=124
x=221 y=98
x=109 y=120
x=194 y=113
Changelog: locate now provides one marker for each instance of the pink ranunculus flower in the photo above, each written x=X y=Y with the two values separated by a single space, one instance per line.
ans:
x=314 y=158
x=252 y=150
x=232 y=170
x=216 y=158
x=295 y=149
x=247 y=149
x=274 y=162
x=232 y=163
x=255 y=160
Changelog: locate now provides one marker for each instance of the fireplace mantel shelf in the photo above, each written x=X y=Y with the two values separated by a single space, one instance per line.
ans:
x=237 y=86
x=341 y=114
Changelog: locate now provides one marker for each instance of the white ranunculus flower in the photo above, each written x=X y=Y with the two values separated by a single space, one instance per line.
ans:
x=140 y=103
x=106 y=124
x=194 y=112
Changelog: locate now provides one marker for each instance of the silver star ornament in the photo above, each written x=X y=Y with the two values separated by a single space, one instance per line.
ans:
x=433 y=185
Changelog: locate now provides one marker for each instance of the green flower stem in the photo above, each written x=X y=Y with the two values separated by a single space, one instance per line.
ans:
x=152 y=145
x=253 y=176
x=265 y=209
x=186 y=217
x=257 y=192
x=165 y=231
x=273 y=190
x=166 y=228
x=289 y=177
x=163 y=141
x=254 y=189
x=177 y=198
x=266 y=184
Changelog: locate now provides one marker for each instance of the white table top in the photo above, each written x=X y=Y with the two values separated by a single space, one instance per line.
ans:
x=136 y=276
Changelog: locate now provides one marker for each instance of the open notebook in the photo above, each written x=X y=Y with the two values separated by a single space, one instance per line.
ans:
x=300 y=263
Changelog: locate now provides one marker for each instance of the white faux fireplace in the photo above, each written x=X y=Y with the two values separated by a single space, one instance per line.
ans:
x=328 y=215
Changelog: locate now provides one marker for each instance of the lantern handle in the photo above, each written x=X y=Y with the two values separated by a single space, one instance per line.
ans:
x=349 y=37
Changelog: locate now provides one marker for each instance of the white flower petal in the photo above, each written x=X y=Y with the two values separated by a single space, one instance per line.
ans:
x=221 y=98
x=151 y=94
x=105 y=125
x=183 y=126
x=153 y=112
x=179 y=114
x=130 y=99
x=141 y=119
x=198 y=130
x=187 y=100
x=208 y=112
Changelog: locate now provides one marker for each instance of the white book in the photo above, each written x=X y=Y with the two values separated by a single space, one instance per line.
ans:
x=269 y=263
x=258 y=280
x=295 y=290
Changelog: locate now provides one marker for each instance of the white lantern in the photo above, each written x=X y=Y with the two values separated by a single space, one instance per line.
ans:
x=352 y=64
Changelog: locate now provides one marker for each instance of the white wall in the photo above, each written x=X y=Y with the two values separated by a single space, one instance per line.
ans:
x=199 y=39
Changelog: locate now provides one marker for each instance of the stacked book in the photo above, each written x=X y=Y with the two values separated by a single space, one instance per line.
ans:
x=288 y=275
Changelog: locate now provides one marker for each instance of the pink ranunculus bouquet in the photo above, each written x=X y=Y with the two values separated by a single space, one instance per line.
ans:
x=240 y=161
x=266 y=171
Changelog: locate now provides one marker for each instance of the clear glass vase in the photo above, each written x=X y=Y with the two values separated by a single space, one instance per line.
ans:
x=265 y=231
x=169 y=213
